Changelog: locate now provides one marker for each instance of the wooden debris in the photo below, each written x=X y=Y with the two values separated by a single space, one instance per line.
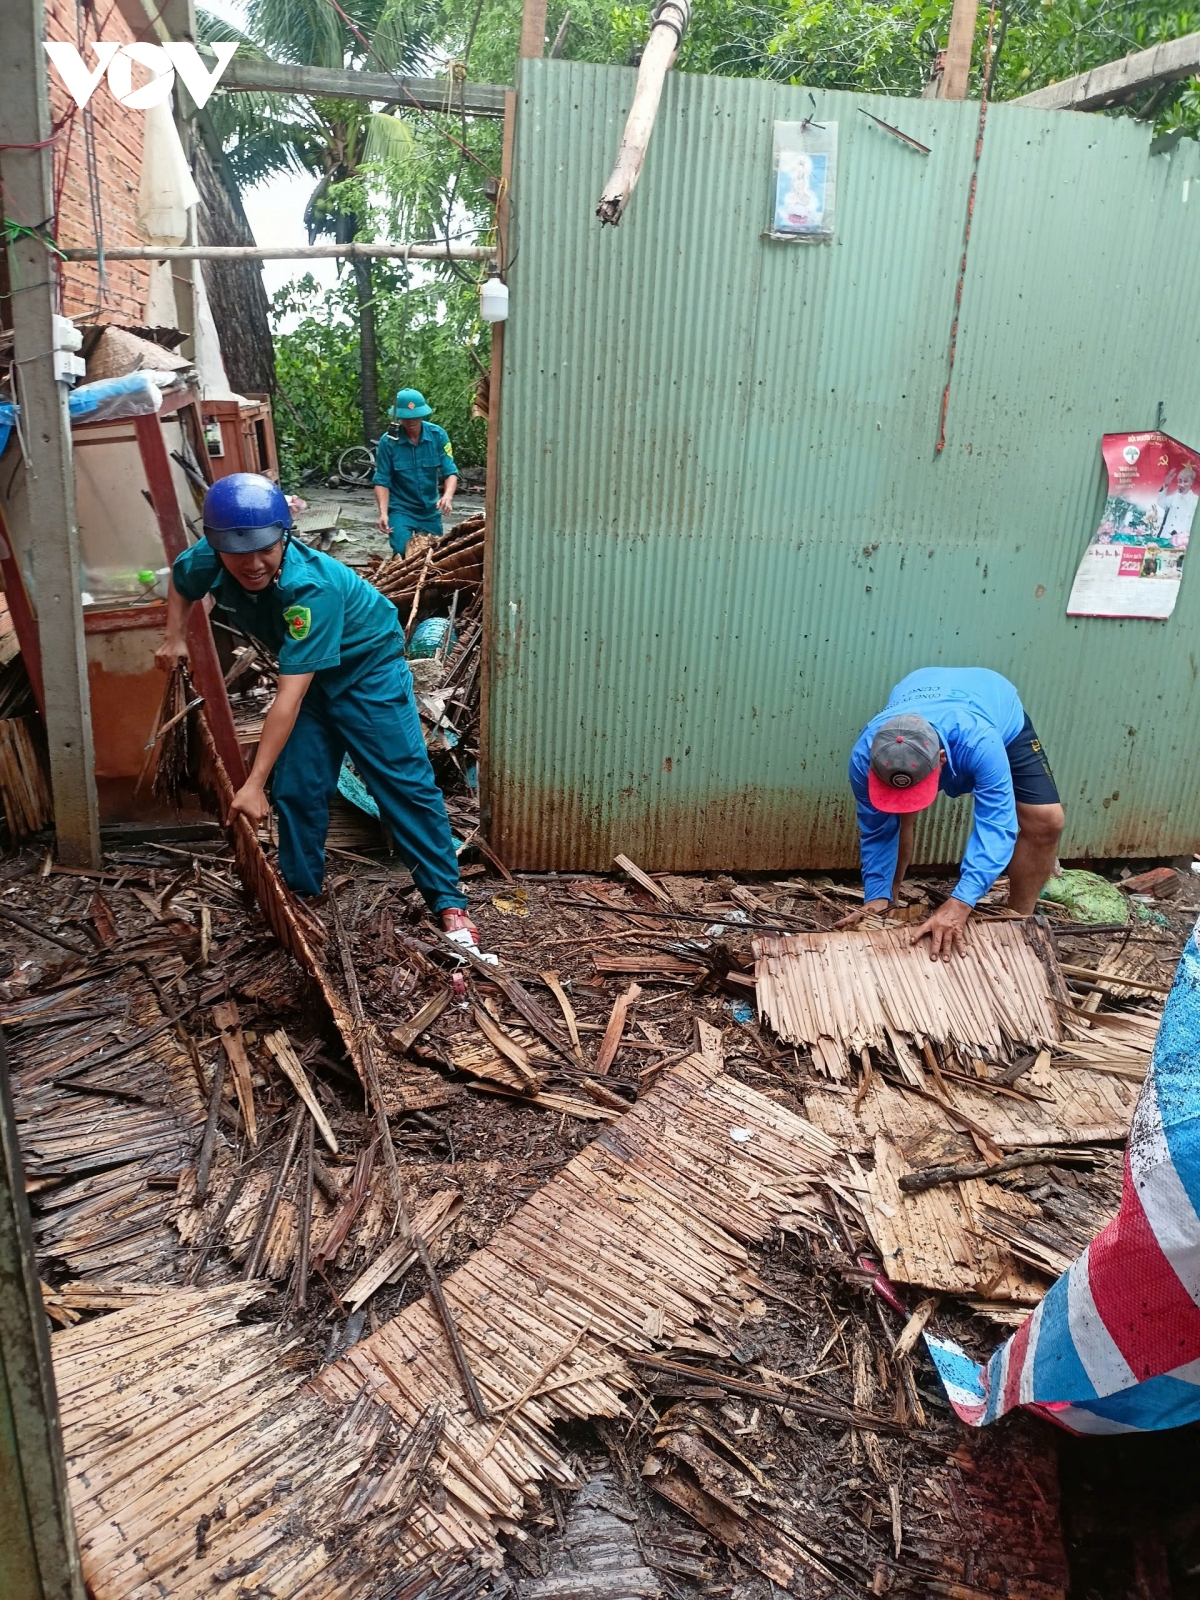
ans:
x=1085 y=974
x=104 y=1158
x=931 y=1177
x=267 y=1218
x=508 y=1047
x=405 y=1037
x=24 y=776
x=914 y=1327
x=228 y=1025
x=455 y=561
x=550 y=979
x=647 y=1218
x=756 y=1391
x=643 y=879
x=599 y=1554
x=1078 y=1108
x=399 y=1256
x=356 y=1197
x=296 y=931
x=227 y=1465
x=652 y=964
x=208 y=1142
x=289 y=1064
x=102 y=918
x=364 y=1058
x=937 y=1238
x=547 y=1100
x=305 y=1206
x=446 y=1318
x=611 y=1041
x=733 y=1505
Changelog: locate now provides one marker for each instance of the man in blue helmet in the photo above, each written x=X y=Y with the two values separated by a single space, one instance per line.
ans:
x=344 y=685
x=415 y=475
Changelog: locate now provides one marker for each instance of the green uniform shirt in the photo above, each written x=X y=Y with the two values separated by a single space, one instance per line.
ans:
x=317 y=615
x=413 y=473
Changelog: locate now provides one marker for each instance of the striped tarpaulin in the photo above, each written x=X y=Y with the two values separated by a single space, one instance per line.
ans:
x=1115 y=1345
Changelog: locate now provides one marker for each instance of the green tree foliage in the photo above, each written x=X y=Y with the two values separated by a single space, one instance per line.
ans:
x=886 y=48
x=334 y=140
x=429 y=338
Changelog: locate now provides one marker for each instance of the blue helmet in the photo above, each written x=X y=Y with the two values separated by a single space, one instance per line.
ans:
x=245 y=512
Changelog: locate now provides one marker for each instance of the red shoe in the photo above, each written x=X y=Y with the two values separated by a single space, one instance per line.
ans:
x=457 y=925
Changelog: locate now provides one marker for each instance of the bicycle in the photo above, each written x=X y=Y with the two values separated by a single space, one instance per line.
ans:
x=357 y=464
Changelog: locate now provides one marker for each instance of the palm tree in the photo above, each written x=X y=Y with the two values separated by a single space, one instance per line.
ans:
x=333 y=140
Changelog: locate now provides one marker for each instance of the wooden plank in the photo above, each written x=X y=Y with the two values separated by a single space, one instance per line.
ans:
x=1117 y=81
x=404 y=1037
x=228 y=1025
x=611 y=1041
x=643 y=878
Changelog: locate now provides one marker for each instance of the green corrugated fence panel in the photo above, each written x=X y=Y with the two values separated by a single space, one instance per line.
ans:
x=723 y=532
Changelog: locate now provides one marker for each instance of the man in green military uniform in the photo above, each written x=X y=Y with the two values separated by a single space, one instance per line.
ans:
x=415 y=475
x=344 y=687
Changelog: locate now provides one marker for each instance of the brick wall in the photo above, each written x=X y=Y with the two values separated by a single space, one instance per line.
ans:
x=119 y=163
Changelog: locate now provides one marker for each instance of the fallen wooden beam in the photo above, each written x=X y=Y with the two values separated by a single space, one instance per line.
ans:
x=256 y=75
x=1116 y=81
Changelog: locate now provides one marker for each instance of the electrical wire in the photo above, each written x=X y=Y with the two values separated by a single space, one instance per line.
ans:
x=92 y=166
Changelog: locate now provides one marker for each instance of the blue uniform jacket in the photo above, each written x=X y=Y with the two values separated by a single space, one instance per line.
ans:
x=317 y=616
x=412 y=474
x=976 y=714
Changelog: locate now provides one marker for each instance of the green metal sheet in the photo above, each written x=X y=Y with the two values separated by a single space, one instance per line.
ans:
x=722 y=529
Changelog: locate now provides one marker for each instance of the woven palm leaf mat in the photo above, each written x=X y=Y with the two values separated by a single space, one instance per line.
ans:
x=96 y=1139
x=844 y=992
x=203 y=1464
x=958 y=1062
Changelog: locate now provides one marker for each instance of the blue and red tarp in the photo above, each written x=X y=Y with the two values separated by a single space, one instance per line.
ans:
x=1115 y=1345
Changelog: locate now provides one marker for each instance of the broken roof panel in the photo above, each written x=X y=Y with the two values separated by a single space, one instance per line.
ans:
x=842 y=992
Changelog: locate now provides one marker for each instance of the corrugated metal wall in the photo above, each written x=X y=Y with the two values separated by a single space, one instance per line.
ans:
x=723 y=532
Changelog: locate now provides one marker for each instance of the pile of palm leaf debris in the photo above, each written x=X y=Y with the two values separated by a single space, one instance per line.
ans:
x=658 y=1234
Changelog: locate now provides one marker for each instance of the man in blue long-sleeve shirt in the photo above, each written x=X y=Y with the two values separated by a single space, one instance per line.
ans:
x=960 y=730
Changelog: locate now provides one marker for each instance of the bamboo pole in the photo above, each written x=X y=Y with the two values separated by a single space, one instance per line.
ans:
x=289 y=252
x=666 y=35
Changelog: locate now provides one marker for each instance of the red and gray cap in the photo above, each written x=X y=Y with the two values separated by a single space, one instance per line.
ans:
x=905 y=765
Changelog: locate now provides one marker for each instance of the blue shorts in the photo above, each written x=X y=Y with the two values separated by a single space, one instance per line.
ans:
x=1033 y=782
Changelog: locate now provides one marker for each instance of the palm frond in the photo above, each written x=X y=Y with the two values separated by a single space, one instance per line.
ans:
x=404 y=34
x=211 y=29
x=308 y=32
x=388 y=138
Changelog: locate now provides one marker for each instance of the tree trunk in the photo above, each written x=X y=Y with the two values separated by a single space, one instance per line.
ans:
x=367 y=350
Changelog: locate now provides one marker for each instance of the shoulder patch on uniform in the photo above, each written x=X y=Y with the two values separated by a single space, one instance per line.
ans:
x=447 y=449
x=298 y=621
